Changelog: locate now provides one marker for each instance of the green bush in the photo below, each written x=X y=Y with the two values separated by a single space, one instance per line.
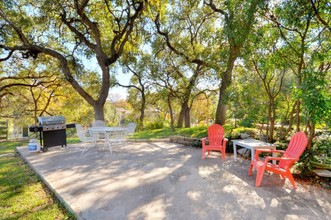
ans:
x=154 y=125
x=197 y=144
x=321 y=150
x=247 y=122
x=236 y=132
x=319 y=156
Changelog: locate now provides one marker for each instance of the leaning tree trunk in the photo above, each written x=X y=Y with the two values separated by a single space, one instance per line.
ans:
x=184 y=114
x=236 y=38
x=223 y=91
x=221 y=111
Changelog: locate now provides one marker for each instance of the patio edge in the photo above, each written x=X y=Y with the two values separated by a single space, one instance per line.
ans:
x=62 y=201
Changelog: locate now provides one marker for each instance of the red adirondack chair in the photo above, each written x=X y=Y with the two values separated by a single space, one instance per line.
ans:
x=292 y=154
x=215 y=140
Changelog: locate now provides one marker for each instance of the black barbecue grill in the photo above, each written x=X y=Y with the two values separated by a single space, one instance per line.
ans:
x=52 y=131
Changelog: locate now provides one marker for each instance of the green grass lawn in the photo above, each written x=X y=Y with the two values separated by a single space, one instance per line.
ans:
x=24 y=196
x=22 y=193
x=196 y=132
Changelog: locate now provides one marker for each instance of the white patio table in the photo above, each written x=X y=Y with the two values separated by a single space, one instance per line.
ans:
x=111 y=134
x=252 y=144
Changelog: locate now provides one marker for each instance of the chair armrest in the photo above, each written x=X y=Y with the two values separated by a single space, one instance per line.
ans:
x=203 y=141
x=258 y=151
x=225 y=140
x=281 y=158
x=269 y=151
x=267 y=159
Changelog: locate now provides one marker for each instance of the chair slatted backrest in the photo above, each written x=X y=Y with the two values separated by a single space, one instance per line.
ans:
x=131 y=127
x=215 y=134
x=99 y=123
x=296 y=147
x=80 y=131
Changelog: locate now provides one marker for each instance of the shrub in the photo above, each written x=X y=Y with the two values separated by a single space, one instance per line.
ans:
x=197 y=144
x=247 y=122
x=321 y=150
x=154 y=125
x=317 y=157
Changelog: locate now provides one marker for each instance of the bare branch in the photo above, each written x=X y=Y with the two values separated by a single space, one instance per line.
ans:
x=215 y=9
x=122 y=37
x=318 y=16
x=75 y=31
x=17 y=29
x=8 y=56
x=170 y=46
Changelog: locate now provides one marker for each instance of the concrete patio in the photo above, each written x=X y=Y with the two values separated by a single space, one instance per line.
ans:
x=161 y=180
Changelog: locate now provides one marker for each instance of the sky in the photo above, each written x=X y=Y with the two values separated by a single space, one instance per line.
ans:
x=115 y=93
x=118 y=92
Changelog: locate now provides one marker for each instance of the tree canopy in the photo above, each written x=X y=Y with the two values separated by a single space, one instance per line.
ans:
x=266 y=62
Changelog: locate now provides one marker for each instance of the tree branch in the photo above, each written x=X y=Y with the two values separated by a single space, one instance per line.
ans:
x=17 y=29
x=215 y=9
x=170 y=46
x=9 y=55
x=125 y=32
x=318 y=16
x=75 y=31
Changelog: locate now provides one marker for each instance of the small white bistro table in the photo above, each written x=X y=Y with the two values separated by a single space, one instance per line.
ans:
x=251 y=144
x=106 y=129
x=112 y=134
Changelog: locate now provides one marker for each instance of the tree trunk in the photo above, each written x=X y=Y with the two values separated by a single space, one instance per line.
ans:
x=236 y=41
x=290 y=118
x=298 y=115
x=172 y=126
x=187 y=118
x=311 y=131
x=226 y=82
x=220 y=112
x=98 y=112
x=272 y=120
x=142 y=110
x=184 y=114
x=181 y=116
x=269 y=121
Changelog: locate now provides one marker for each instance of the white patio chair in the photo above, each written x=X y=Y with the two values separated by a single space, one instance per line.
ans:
x=98 y=123
x=131 y=127
x=122 y=137
x=114 y=138
x=85 y=137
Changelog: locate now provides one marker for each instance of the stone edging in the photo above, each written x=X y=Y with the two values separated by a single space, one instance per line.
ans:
x=188 y=141
x=148 y=140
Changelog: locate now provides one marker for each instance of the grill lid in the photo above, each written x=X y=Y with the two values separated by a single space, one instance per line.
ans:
x=51 y=120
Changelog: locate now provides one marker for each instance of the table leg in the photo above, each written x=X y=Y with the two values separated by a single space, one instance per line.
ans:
x=234 y=151
x=252 y=153
x=274 y=155
x=108 y=142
